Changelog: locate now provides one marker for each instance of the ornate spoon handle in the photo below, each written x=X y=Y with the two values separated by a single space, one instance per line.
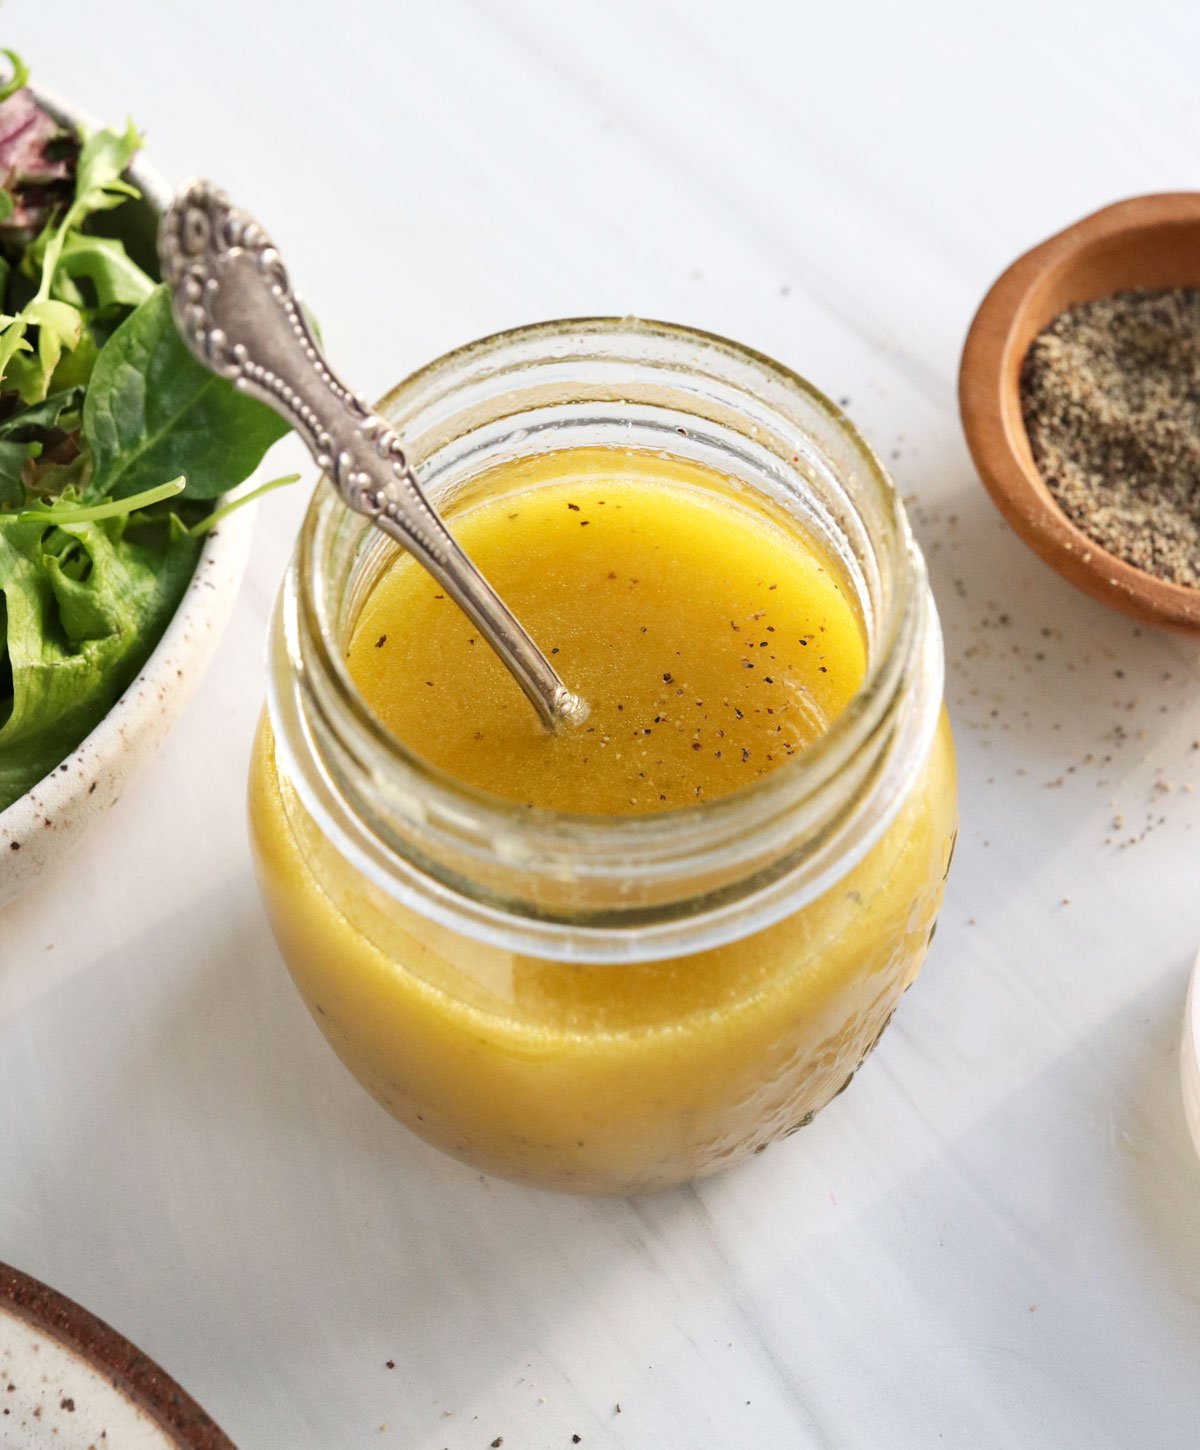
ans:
x=236 y=311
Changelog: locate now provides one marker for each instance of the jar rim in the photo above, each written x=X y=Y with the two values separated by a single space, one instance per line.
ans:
x=589 y=886
x=808 y=765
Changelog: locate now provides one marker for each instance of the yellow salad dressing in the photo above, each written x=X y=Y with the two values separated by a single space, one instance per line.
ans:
x=712 y=647
x=709 y=646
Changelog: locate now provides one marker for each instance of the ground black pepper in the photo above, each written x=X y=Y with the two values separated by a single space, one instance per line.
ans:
x=1110 y=394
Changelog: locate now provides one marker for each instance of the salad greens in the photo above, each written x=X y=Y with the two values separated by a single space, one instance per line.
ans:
x=152 y=412
x=114 y=441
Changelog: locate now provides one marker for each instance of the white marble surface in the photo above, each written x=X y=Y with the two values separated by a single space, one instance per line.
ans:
x=994 y=1239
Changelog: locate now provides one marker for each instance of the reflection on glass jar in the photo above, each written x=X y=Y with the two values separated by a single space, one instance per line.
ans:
x=604 y=1003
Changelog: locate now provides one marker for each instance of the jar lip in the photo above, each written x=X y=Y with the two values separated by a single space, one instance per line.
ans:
x=605 y=836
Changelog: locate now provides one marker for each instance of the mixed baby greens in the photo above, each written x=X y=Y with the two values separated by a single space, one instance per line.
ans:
x=113 y=440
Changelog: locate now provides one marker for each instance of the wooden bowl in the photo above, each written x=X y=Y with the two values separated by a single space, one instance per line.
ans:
x=1147 y=242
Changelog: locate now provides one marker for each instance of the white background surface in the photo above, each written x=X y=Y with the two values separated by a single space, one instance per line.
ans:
x=994 y=1239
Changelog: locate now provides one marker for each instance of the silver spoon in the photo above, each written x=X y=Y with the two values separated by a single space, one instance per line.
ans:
x=236 y=311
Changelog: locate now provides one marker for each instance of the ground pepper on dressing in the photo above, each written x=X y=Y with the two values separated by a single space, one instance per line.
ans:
x=710 y=645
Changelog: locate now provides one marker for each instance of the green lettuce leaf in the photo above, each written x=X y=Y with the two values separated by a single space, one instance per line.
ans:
x=116 y=278
x=59 y=410
x=152 y=413
x=99 y=173
x=81 y=607
x=13 y=457
x=59 y=330
x=19 y=78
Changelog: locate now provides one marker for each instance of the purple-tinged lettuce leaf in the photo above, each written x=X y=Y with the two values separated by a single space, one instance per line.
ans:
x=35 y=169
x=100 y=185
x=25 y=133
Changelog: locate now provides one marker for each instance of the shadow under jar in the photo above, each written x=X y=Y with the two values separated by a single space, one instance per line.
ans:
x=590 y=1003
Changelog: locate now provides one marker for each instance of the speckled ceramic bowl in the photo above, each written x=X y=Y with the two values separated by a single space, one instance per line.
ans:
x=67 y=1379
x=40 y=829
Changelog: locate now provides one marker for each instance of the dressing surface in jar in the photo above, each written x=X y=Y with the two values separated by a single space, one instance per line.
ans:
x=629 y=954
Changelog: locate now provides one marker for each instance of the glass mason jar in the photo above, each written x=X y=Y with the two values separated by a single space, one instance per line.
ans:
x=608 y=1004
